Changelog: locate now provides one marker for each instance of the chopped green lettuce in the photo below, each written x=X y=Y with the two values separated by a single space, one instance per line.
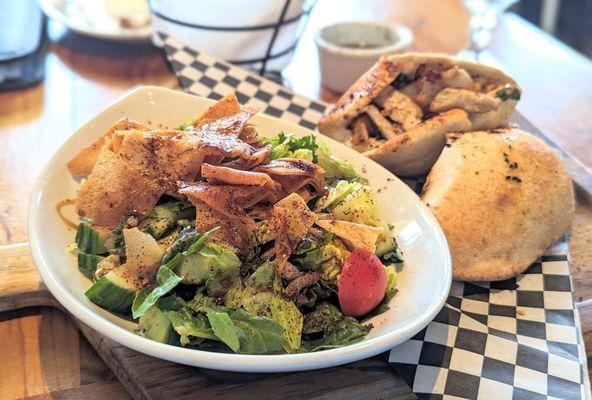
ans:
x=189 y=326
x=143 y=300
x=391 y=290
x=224 y=329
x=334 y=166
x=359 y=206
x=337 y=194
x=286 y=145
x=337 y=329
x=290 y=318
x=257 y=334
x=328 y=260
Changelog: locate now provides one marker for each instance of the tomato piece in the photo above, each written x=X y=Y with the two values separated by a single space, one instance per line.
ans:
x=362 y=284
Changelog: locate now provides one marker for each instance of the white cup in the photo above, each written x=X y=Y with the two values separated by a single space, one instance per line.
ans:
x=347 y=50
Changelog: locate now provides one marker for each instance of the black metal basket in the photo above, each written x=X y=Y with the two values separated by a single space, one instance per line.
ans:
x=290 y=17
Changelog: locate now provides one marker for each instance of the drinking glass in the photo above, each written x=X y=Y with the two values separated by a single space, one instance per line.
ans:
x=484 y=18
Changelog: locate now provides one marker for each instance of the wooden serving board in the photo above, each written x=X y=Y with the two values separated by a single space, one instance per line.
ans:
x=147 y=377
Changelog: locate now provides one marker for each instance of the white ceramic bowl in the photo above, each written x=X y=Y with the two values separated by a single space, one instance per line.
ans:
x=348 y=49
x=423 y=284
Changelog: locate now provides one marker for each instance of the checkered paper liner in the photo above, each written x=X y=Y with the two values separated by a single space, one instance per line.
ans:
x=515 y=339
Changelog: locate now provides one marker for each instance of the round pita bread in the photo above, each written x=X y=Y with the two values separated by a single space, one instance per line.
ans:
x=422 y=96
x=501 y=197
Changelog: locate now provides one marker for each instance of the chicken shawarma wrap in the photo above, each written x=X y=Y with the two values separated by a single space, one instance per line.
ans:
x=399 y=112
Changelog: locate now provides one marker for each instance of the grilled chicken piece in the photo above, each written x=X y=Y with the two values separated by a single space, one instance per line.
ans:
x=399 y=108
x=457 y=78
x=231 y=176
x=301 y=282
x=386 y=128
x=467 y=100
x=361 y=130
x=430 y=83
x=289 y=271
x=290 y=223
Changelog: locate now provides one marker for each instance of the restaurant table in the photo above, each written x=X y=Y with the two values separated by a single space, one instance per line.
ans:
x=43 y=354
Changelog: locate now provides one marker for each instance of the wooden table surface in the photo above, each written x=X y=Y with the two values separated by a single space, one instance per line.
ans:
x=43 y=353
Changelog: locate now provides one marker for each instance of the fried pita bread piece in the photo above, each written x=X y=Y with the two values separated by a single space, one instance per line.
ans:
x=354 y=235
x=165 y=157
x=232 y=201
x=225 y=107
x=290 y=223
x=501 y=198
x=83 y=163
x=232 y=232
x=399 y=111
x=114 y=190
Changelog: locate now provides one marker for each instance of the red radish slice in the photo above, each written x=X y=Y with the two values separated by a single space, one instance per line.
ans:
x=362 y=284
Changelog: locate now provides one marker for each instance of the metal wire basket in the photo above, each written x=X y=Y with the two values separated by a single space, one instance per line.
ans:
x=260 y=35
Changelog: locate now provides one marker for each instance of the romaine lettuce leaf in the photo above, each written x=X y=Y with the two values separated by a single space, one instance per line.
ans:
x=257 y=334
x=286 y=145
x=290 y=318
x=322 y=319
x=188 y=325
x=345 y=332
x=337 y=194
x=166 y=279
x=333 y=165
x=224 y=329
x=391 y=290
x=337 y=329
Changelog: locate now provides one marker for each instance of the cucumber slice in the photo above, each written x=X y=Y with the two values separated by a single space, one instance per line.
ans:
x=87 y=264
x=195 y=269
x=386 y=242
x=165 y=216
x=156 y=326
x=115 y=291
x=91 y=239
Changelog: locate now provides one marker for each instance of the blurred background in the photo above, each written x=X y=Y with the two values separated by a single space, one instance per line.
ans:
x=568 y=20
x=267 y=33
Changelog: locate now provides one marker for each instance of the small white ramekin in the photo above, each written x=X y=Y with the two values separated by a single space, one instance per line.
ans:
x=342 y=63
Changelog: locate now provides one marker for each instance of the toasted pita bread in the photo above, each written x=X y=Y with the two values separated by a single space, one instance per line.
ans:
x=83 y=163
x=115 y=190
x=411 y=90
x=164 y=157
x=501 y=197
x=354 y=235
x=417 y=149
x=225 y=107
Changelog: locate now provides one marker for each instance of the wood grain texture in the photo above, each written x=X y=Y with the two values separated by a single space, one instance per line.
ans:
x=20 y=283
x=103 y=391
x=40 y=354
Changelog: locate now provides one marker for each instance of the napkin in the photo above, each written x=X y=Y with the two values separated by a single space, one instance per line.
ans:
x=514 y=339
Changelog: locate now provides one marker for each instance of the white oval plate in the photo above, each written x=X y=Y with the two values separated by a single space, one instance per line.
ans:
x=423 y=283
x=90 y=18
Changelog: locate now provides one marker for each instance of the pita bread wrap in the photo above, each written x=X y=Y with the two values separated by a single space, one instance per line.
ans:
x=501 y=197
x=399 y=111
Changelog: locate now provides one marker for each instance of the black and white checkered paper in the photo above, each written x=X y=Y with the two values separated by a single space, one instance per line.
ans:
x=515 y=339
